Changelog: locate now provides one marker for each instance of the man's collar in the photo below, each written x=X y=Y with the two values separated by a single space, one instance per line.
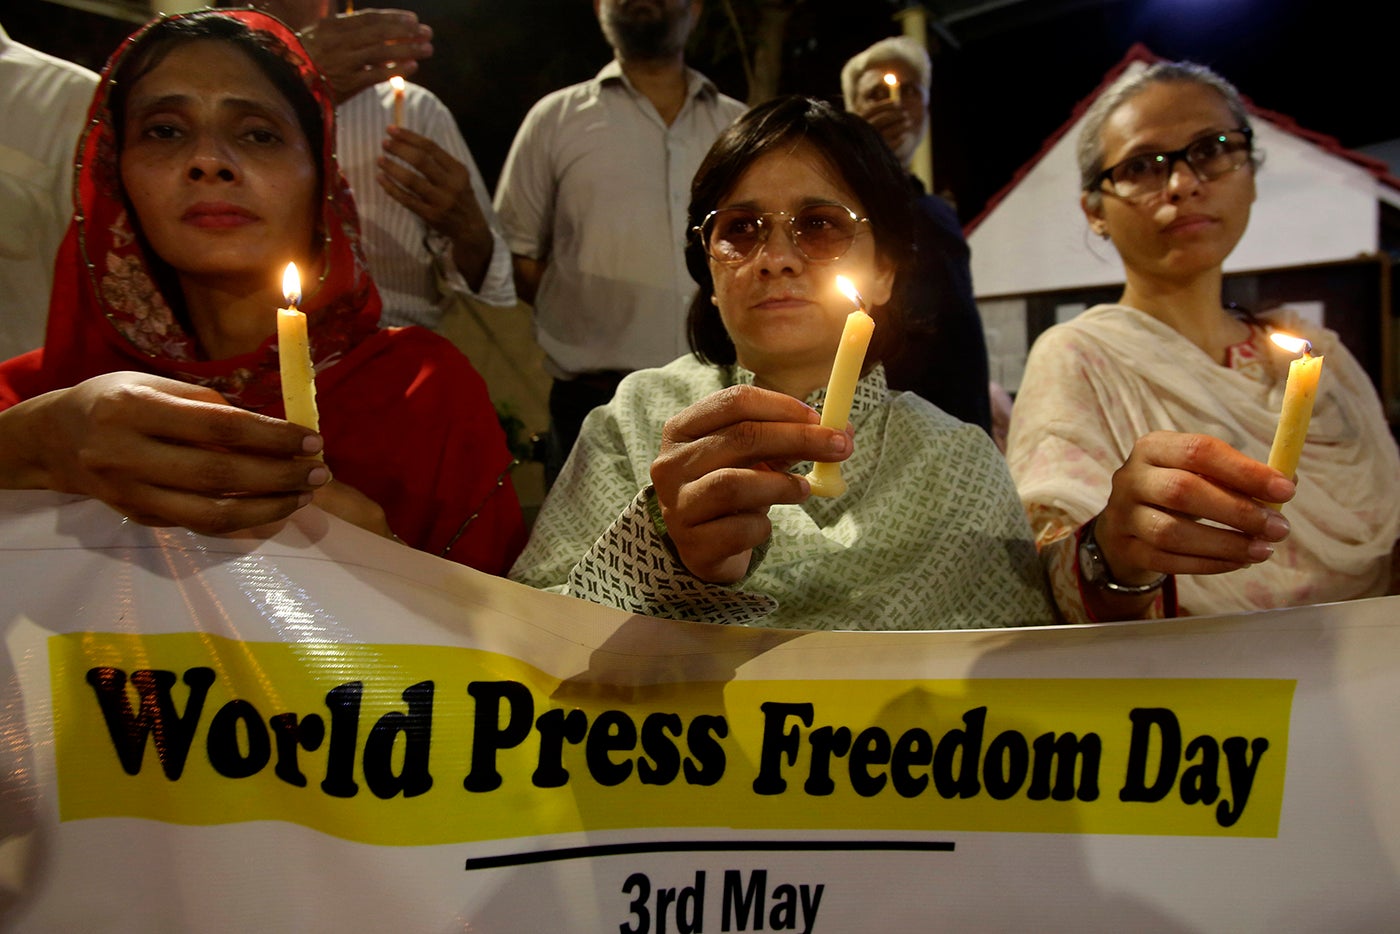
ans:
x=696 y=84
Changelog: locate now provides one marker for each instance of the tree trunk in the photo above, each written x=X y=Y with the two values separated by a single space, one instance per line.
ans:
x=773 y=17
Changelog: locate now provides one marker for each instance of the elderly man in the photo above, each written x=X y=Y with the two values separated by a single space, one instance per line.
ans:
x=946 y=359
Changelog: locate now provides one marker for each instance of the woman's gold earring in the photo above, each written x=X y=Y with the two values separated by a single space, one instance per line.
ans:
x=714 y=300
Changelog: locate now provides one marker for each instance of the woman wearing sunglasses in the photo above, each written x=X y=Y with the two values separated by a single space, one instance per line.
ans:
x=684 y=497
x=1140 y=432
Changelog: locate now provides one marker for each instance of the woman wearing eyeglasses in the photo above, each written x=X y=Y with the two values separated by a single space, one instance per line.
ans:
x=1140 y=431
x=684 y=497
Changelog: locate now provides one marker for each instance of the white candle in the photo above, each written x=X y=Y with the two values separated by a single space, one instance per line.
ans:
x=397 y=84
x=1299 y=394
x=893 y=83
x=294 y=357
x=826 y=479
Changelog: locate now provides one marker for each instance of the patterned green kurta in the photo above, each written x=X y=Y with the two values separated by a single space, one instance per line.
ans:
x=930 y=533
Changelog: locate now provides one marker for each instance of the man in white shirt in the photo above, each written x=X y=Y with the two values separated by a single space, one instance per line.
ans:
x=429 y=228
x=593 y=198
x=43 y=105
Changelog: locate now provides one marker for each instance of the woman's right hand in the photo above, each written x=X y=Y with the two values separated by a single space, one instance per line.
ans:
x=723 y=463
x=160 y=452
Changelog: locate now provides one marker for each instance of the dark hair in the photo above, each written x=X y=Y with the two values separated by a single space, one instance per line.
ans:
x=864 y=163
x=166 y=35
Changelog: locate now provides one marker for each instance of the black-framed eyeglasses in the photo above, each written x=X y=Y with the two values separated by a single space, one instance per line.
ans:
x=1210 y=157
x=821 y=232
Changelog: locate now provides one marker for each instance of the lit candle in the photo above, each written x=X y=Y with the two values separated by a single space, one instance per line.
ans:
x=294 y=355
x=1298 y=397
x=826 y=479
x=397 y=83
x=893 y=83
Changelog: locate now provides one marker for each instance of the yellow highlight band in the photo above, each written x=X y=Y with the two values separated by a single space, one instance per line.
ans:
x=423 y=745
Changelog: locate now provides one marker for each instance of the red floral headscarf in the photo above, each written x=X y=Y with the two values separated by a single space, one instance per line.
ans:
x=108 y=312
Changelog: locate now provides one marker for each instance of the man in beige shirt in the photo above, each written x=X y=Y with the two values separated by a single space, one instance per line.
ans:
x=593 y=200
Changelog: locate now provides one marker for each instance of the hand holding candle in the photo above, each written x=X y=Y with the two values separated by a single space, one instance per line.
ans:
x=1298 y=397
x=893 y=83
x=398 y=85
x=825 y=479
x=294 y=355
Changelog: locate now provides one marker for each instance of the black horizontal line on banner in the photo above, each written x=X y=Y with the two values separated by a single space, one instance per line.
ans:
x=704 y=846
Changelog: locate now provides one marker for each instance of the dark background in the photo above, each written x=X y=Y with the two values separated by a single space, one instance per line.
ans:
x=1006 y=75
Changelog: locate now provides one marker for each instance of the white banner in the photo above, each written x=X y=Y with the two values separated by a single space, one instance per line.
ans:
x=324 y=731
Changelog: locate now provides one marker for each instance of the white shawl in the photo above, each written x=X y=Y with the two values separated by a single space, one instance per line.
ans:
x=1096 y=384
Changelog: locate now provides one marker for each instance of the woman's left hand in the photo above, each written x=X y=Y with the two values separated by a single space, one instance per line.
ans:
x=345 y=502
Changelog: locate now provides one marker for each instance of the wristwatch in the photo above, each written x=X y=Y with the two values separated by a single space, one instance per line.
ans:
x=1094 y=569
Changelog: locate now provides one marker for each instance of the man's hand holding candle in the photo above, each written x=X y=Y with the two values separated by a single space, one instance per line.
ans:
x=426 y=179
x=723 y=463
x=891 y=121
x=356 y=51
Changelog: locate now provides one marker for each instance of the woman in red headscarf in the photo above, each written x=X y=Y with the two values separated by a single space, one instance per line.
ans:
x=206 y=166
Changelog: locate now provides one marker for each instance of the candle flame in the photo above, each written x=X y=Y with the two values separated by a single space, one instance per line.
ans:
x=291 y=285
x=1290 y=343
x=397 y=83
x=891 y=80
x=849 y=290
